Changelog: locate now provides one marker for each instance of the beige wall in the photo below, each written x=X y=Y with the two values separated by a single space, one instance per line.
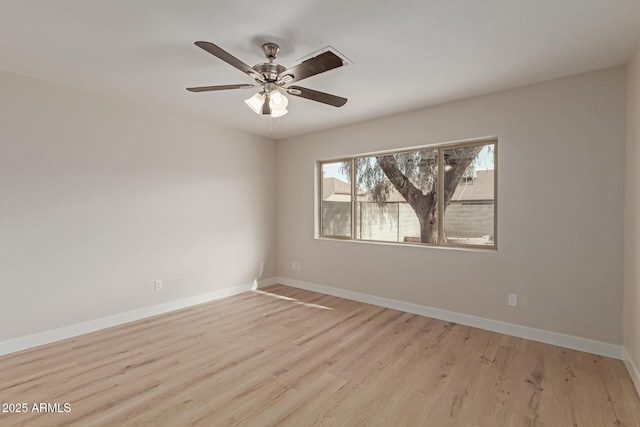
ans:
x=632 y=217
x=99 y=198
x=561 y=151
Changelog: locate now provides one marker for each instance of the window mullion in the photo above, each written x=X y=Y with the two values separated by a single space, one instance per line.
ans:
x=440 y=197
x=354 y=199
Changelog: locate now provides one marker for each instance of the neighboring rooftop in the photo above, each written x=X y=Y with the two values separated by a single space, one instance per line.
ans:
x=336 y=190
x=480 y=188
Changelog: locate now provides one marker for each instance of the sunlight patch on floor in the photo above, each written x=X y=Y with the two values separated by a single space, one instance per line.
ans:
x=295 y=301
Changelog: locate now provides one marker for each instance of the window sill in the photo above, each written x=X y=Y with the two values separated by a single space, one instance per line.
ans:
x=492 y=249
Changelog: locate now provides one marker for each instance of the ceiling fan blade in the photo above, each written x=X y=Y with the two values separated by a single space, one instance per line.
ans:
x=221 y=87
x=317 y=96
x=318 y=64
x=229 y=59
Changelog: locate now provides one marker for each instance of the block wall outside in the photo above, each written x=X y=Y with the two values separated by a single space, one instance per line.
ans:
x=387 y=222
x=469 y=220
x=397 y=221
x=336 y=218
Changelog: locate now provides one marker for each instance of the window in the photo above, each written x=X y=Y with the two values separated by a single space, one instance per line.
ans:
x=336 y=200
x=441 y=196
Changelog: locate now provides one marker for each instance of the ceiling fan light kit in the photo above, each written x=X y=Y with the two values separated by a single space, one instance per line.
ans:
x=270 y=96
x=273 y=79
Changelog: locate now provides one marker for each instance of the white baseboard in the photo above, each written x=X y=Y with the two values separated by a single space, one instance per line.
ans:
x=46 y=337
x=268 y=282
x=554 y=338
x=576 y=343
x=633 y=370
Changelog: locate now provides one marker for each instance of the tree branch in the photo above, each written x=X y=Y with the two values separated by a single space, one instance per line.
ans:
x=418 y=201
x=455 y=168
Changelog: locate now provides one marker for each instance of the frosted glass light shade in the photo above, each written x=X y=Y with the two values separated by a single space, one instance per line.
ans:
x=256 y=102
x=279 y=113
x=278 y=103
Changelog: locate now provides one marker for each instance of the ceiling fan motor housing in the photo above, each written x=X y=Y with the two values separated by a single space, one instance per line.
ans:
x=270 y=71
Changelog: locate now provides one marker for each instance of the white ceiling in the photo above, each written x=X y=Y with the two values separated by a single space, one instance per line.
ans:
x=406 y=54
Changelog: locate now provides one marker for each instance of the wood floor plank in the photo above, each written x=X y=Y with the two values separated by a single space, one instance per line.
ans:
x=286 y=356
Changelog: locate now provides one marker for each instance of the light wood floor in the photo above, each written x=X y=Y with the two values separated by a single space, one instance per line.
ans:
x=283 y=356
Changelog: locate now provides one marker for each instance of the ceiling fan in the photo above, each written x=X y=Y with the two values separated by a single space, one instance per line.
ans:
x=273 y=79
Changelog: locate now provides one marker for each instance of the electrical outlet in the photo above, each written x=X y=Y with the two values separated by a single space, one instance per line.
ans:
x=158 y=284
x=298 y=266
x=513 y=300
